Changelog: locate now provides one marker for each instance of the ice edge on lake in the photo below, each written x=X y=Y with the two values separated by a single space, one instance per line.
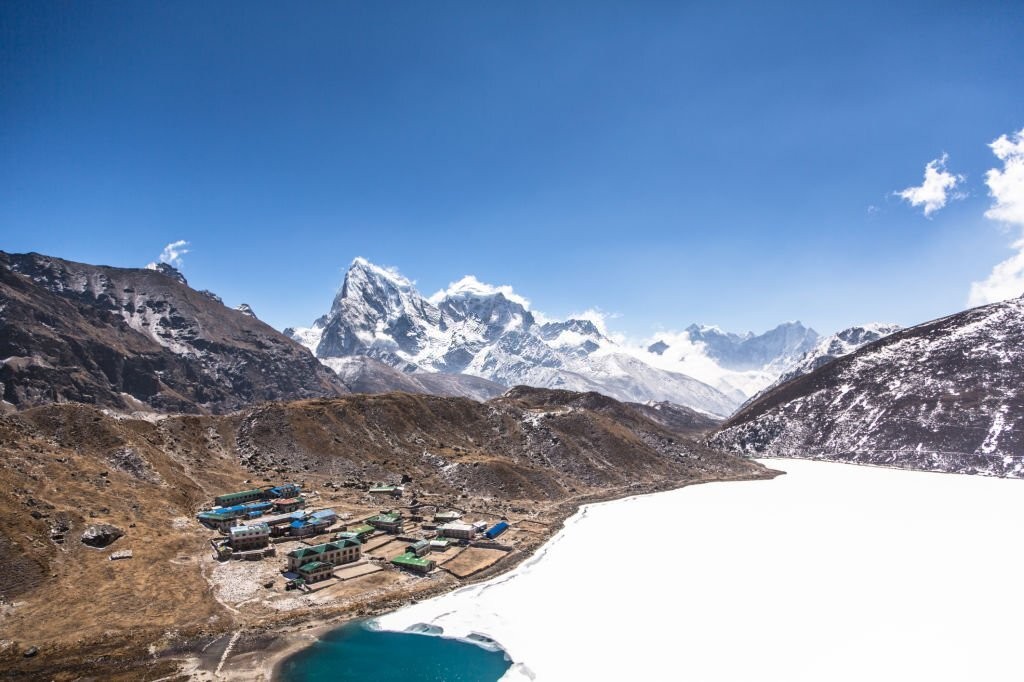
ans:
x=891 y=564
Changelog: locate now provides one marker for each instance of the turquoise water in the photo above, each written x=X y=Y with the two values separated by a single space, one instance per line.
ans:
x=355 y=652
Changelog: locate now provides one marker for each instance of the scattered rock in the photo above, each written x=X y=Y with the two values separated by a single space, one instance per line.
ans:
x=132 y=463
x=101 y=535
x=31 y=651
x=59 y=527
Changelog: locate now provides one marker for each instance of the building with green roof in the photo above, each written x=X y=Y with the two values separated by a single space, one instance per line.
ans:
x=343 y=551
x=316 y=571
x=229 y=499
x=389 y=522
x=419 y=548
x=411 y=562
x=384 y=489
x=360 y=532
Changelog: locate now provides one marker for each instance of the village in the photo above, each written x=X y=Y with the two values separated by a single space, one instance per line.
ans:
x=308 y=542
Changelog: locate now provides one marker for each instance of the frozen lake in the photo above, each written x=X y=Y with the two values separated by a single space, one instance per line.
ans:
x=832 y=572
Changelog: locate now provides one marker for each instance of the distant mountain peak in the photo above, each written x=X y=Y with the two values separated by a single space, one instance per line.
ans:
x=658 y=347
x=362 y=268
x=782 y=344
x=470 y=286
x=832 y=347
x=487 y=331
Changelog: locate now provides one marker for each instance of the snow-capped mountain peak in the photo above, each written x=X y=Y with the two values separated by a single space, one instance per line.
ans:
x=490 y=332
x=470 y=287
x=835 y=346
x=487 y=331
x=738 y=365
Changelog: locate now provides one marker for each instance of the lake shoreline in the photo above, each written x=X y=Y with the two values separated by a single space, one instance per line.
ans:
x=847 y=560
x=292 y=633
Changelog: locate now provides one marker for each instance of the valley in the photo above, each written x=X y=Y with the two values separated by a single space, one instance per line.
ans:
x=530 y=458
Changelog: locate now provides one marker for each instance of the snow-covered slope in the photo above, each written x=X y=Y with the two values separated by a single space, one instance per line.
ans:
x=485 y=331
x=738 y=365
x=835 y=346
x=945 y=395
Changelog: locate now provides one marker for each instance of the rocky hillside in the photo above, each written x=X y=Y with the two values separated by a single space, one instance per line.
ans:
x=529 y=443
x=69 y=468
x=942 y=396
x=139 y=340
x=488 y=332
x=677 y=418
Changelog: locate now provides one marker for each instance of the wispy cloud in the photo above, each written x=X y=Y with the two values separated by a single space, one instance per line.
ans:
x=937 y=187
x=172 y=254
x=1006 y=187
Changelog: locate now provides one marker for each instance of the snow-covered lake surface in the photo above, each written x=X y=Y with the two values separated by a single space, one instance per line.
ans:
x=832 y=572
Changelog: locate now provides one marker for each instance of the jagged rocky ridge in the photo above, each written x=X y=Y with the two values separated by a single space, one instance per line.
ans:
x=139 y=339
x=477 y=330
x=942 y=396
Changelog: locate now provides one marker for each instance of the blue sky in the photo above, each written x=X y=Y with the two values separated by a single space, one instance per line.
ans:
x=726 y=163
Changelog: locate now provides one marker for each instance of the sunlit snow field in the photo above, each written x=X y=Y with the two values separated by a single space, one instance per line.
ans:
x=832 y=572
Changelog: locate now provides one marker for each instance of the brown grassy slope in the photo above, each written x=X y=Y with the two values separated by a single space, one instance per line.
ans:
x=522 y=446
x=72 y=466
x=77 y=465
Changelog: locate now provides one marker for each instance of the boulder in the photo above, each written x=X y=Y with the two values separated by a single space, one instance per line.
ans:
x=101 y=535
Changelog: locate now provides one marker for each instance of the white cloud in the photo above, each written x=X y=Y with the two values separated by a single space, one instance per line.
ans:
x=1006 y=187
x=172 y=254
x=1005 y=281
x=937 y=187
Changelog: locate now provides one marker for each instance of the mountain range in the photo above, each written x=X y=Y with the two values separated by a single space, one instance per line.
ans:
x=472 y=329
x=943 y=396
x=141 y=339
